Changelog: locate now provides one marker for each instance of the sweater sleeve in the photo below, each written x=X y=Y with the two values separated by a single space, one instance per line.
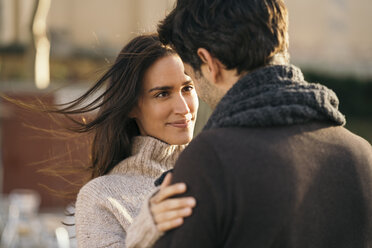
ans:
x=97 y=218
x=143 y=231
x=199 y=167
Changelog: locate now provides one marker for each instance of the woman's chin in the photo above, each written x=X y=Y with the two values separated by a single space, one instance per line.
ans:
x=179 y=139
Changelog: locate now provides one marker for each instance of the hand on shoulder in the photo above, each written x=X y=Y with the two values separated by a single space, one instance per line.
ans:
x=169 y=213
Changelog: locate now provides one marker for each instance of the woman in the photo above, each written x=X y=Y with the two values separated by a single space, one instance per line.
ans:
x=146 y=117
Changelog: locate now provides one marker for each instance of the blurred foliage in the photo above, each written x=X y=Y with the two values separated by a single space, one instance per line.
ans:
x=14 y=48
x=17 y=67
x=77 y=69
x=355 y=97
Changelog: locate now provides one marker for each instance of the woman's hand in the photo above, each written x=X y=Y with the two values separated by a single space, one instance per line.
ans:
x=169 y=213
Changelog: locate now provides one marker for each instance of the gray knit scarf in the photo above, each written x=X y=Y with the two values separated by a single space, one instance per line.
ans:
x=274 y=96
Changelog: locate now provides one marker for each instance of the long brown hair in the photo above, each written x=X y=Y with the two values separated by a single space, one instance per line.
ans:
x=112 y=127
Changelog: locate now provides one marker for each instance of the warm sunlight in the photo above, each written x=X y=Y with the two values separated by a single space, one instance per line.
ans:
x=42 y=45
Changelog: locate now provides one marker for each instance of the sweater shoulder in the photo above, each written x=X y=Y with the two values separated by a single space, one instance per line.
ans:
x=354 y=139
x=355 y=146
x=116 y=197
x=101 y=186
x=282 y=144
x=115 y=186
x=333 y=135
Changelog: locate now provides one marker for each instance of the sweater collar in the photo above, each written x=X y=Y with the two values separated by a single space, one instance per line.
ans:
x=275 y=95
x=150 y=157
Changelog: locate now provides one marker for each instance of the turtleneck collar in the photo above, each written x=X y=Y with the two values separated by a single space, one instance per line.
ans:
x=150 y=157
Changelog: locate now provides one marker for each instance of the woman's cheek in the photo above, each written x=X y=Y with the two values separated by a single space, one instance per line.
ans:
x=160 y=110
x=194 y=103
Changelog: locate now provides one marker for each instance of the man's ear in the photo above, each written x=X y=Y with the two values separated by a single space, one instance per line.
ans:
x=211 y=67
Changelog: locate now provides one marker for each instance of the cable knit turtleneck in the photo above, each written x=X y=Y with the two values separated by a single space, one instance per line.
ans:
x=106 y=205
x=150 y=157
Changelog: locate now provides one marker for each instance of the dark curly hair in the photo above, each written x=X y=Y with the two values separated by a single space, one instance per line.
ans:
x=242 y=34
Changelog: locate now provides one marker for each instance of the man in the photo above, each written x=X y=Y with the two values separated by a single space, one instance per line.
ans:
x=274 y=166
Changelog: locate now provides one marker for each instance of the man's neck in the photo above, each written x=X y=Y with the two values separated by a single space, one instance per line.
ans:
x=277 y=59
x=230 y=77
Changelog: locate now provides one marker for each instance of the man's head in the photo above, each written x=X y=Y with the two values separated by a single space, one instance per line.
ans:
x=236 y=36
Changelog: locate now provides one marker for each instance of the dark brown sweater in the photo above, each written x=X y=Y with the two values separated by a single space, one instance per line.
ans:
x=300 y=186
x=275 y=168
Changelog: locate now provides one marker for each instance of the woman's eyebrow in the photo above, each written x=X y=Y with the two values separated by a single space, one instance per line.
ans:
x=161 y=88
x=187 y=82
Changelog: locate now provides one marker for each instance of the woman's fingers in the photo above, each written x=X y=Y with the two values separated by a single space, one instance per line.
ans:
x=165 y=226
x=173 y=204
x=166 y=180
x=169 y=213
x=172 y=215
x=168 y=191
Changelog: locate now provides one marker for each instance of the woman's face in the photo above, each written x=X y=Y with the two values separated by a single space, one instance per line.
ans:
x=168 y=104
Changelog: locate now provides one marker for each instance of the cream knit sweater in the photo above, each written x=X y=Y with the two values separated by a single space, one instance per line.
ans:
x=106 y=206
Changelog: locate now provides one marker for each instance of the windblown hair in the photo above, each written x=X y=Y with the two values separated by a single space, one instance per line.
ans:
x=242 y=34
x=112 y=127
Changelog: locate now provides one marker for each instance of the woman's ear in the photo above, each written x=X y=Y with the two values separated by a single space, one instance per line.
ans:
x=211 y=67
x=133 y=113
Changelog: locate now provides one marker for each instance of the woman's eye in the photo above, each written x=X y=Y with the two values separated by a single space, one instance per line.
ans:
x=162 y=94
x=188 y=88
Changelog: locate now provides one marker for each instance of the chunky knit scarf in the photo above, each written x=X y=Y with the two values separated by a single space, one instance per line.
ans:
x=273 y=96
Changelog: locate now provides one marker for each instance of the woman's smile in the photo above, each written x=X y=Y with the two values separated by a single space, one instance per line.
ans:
x=182 y=123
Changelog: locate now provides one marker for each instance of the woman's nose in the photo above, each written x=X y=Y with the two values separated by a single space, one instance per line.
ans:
x=181 y=106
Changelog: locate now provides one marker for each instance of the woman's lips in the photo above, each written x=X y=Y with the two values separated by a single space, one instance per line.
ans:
x=180 y=124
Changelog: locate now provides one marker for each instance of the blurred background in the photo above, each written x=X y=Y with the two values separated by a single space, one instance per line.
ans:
x=55 y=49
